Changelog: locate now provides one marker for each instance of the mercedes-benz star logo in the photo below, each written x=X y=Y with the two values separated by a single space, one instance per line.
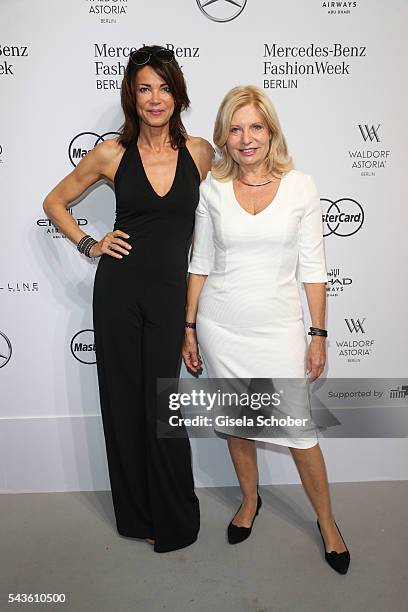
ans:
x=221 y=10
x=5 y=350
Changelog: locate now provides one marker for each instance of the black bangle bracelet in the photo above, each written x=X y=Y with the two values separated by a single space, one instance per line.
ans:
x=85 y=245
x=189 y=324
x=316 y=331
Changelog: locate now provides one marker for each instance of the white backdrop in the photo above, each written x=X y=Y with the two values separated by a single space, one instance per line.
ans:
x=335 y=73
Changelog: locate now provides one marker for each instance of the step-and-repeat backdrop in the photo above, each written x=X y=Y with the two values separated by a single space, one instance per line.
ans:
x=336 y=73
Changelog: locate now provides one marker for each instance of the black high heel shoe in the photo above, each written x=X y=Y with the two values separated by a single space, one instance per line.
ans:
x=239 y=534
x=338 y=561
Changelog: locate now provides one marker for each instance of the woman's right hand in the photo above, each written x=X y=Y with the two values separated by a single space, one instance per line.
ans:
x=112 y=244
x=190 y=353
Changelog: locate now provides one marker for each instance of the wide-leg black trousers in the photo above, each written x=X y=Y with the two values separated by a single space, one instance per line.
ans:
x=139 y=326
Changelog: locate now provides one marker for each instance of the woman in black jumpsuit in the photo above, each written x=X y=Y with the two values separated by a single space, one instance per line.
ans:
x=138 y=339
x=139 y=299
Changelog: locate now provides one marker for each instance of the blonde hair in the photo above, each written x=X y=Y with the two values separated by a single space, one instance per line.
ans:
x=277 y=160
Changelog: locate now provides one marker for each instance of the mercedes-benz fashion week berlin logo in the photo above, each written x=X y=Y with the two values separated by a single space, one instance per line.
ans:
x=221 y=10
x=5 y=350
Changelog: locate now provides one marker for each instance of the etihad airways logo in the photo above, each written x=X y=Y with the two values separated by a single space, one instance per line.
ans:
x=221 y=10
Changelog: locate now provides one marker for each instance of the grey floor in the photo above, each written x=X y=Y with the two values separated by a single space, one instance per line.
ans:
x=67 y=543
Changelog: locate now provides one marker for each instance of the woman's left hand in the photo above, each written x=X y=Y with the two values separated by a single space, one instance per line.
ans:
x=316 y=357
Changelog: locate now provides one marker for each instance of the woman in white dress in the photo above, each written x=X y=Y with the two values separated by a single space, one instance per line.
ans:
x=259 y=222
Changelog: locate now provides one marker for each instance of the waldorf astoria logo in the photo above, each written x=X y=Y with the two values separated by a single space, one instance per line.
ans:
x=344 y=217
x=221 y=10
x=356 y=346
x=107 y=11
x=370 y=132
x=355 y=325
x=5 y=350
x=83 y=142
x=83 y=346
x=371 y=157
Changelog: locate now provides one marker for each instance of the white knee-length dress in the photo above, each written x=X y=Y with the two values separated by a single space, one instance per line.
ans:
x=250 y=319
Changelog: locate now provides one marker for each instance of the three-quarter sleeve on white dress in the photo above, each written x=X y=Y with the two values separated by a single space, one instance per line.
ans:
x=203 y=246
x=312 y=262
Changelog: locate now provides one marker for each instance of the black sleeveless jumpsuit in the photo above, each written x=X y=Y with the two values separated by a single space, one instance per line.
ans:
x=139 y=314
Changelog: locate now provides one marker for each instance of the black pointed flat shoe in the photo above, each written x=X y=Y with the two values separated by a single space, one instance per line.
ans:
x=338 y=561
x=239 y=534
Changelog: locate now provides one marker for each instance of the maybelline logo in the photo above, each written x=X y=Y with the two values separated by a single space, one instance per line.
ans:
x=369 y=160
x=52 y=230
x=221 y=10
x=339 y=7
x=83 y=346
x=7 y=69
x=355 y=350
x=344 y=217
x=336 y=282
x=84 y=142
x=287 y=62
x=5 y=350
x=20 y=287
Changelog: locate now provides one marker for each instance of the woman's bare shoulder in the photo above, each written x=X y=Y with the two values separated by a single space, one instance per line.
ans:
x=202 y=153
x=109 y=150
x=199 y=144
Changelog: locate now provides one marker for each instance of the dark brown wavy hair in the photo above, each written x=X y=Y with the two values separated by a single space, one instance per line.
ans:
x=171 y=73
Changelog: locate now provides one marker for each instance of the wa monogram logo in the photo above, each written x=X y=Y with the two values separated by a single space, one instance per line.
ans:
x=355 y=325
x=372 y=158
x=368 y=132
x=354 y=351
